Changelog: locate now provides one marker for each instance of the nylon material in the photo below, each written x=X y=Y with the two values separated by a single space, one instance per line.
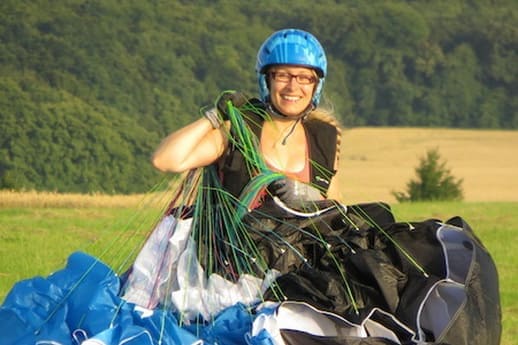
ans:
x=94 y=342
x=439 y=306
x=311 y=211
x=85 y=281
x=138 y=339
x=304 y=317
x=443 y=309
x=119 y=336
x=387 y=323
x=375 y=329
x=478 y=321
x=147 y=277
x=471 y=326
x=265 y=330
x=299 y=318
x=198 y=296
x=459 y=252
x=191 y=293
x=389 y=279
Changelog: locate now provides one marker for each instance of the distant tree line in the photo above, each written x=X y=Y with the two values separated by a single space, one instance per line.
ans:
x=89 y=87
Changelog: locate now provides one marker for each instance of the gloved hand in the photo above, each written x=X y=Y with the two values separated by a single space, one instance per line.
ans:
x=292 y=192
x=237 y=99
x=220 y=113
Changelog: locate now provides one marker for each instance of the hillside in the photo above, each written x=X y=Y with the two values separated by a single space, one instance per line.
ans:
x=376 y=161
x=88 y=88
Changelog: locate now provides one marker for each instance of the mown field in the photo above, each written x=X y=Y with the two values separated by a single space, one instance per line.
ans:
x=376 y=161
x=39 y=230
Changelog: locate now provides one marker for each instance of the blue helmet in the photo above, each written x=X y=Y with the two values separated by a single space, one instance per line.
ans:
x=291 y=47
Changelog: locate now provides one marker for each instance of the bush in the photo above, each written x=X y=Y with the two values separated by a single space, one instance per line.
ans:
x=434 y=181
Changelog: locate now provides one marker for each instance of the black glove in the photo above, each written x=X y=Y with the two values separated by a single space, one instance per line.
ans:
x=292 y=192
x=237 y=99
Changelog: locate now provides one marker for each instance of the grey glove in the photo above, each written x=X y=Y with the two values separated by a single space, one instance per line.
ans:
x=292 y=192
x=237 y=99
x=220 y=113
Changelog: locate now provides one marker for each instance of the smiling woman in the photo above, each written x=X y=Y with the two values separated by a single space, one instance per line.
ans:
x=291 y=89
x=296 y=138
x=253 y=248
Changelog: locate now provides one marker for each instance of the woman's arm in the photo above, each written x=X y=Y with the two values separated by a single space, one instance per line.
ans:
x=334 y=191
x=195 y=145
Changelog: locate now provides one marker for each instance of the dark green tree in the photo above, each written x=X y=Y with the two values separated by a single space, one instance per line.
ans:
x=434 y=181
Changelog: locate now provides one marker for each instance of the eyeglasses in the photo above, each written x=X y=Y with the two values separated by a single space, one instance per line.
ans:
x=285 y=77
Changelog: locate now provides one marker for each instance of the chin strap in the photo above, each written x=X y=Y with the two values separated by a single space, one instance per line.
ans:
x=301 y=117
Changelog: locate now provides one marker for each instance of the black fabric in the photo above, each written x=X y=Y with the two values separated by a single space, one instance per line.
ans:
x=479 y=320
x=322 y=138
x=316 y=254
x=292 y=337
x=369 y=215
x=312 y=274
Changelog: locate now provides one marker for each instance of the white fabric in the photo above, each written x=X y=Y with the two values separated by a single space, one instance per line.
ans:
x=447 y=296
x=302 y=317
x=150 y=269
x=172 y=267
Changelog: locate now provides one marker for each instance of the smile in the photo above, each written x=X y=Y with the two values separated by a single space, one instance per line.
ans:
x=291 y=98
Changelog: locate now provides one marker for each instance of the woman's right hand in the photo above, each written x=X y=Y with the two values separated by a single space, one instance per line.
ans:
x=236 y=98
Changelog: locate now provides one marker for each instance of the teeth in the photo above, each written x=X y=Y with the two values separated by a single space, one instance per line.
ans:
x=290 y=98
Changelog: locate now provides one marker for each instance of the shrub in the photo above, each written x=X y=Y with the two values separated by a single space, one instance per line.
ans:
x=434 y=181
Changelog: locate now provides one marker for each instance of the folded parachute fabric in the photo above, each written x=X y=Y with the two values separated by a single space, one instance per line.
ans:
x=79 y=304
x=425 y=282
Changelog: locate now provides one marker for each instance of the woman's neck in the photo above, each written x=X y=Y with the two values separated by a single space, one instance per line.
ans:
x=284 y=122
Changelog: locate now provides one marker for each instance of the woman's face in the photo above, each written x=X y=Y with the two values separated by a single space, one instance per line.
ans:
x=291 y=88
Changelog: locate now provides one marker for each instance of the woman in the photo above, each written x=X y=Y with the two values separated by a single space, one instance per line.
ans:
x=295 y=138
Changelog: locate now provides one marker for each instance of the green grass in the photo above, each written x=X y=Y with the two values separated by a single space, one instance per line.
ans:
x=37 y=241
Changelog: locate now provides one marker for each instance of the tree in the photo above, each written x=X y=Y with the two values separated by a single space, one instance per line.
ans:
x=138 y=70
x=434 y=181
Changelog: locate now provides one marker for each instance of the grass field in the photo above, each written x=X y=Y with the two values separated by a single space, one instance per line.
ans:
x=39 y=230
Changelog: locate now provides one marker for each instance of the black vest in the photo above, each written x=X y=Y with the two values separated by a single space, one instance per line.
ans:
x=321 y=137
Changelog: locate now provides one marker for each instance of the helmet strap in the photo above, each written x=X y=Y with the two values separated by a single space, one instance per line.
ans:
x=299 y=118
x=302 y=116
x=292 y=129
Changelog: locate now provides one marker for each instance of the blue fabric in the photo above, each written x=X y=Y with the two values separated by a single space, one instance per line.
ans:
x=82 y=298
x=228 y=328
x=163 y=326
x=92 y=289
x=262 y=338
x=26 y=317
